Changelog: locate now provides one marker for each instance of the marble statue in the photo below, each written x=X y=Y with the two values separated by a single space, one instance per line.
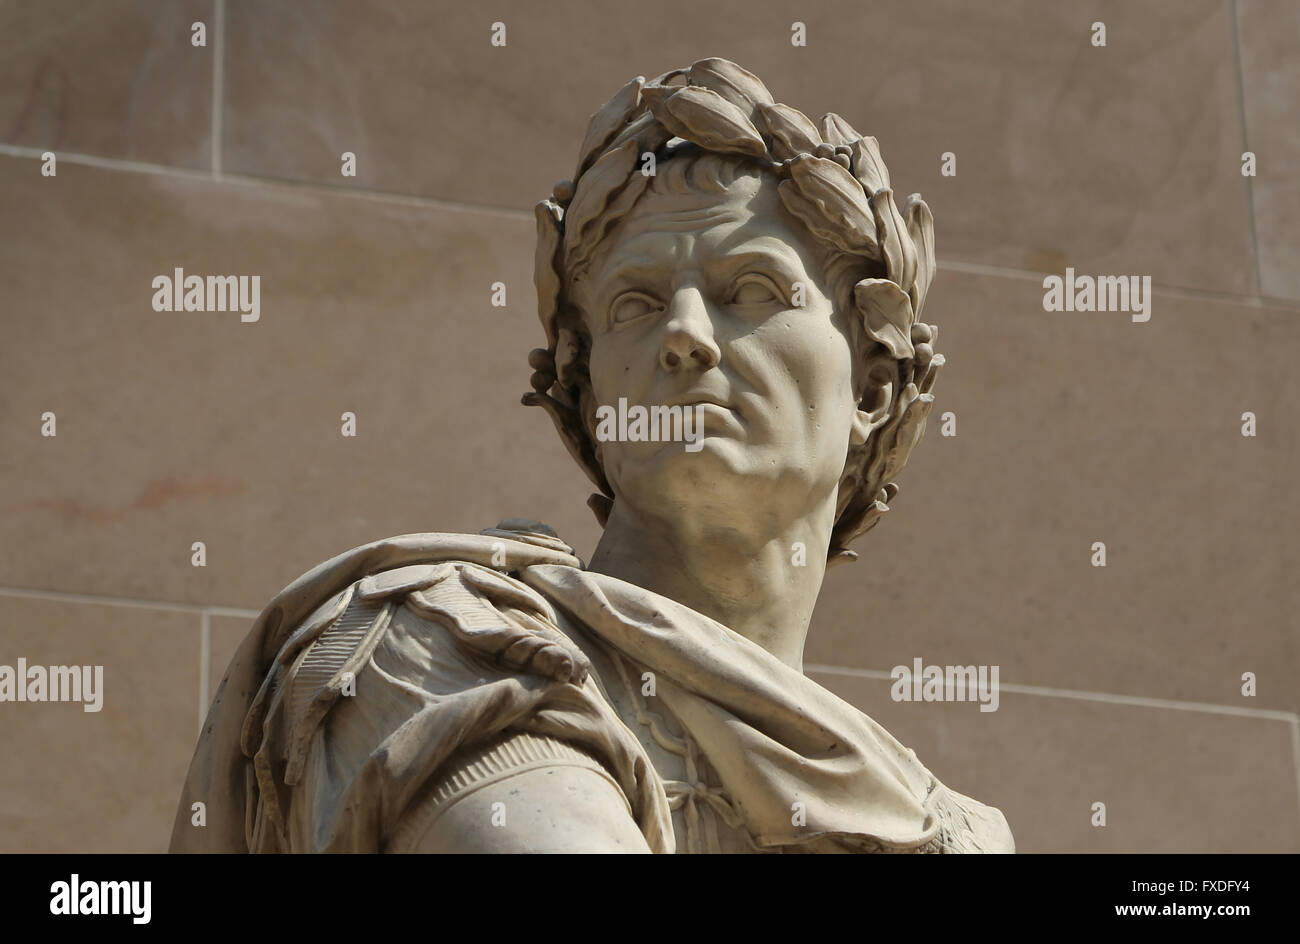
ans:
x=744 y=275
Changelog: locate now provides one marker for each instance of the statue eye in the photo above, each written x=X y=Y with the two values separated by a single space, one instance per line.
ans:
x=633 y=305
x=755 y=290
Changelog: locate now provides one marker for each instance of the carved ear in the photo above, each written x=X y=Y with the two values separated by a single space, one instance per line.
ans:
x=886 y=314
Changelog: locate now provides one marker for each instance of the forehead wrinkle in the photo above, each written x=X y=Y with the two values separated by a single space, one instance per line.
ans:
x=773 y=218
x=651 y=235
x=683 y=221
x=644 y=233
x=637 y=268
x=777 y=243
x=691 y=208
x=742 y=243
x=636 y=254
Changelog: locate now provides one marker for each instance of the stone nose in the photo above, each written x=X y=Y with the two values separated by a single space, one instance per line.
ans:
x=688 y=333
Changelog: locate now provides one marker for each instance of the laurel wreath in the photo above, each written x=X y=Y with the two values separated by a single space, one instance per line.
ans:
x=831 y=177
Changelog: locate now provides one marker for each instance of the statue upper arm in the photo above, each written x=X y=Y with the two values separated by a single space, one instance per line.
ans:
x=548 y=809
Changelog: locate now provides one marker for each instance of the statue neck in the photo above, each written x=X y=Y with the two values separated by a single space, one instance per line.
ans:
x=761 y=585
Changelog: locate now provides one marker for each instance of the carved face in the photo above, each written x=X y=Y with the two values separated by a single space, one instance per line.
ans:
x=695 y=299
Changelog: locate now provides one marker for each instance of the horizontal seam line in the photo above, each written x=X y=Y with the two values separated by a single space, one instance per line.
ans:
x=270 y=183
x=386 y=196
x=69 y=597
x=1135 y=701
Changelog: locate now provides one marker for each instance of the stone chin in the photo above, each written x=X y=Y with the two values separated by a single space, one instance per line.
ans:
x=727 y=473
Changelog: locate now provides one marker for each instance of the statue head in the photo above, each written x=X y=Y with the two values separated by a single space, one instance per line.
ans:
x=716 y=247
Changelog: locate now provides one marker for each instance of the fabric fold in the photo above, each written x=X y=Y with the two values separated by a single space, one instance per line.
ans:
x=775 y=737
x=219 y=775
x=800 y=768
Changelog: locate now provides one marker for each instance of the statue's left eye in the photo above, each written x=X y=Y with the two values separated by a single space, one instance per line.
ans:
x=755 y=290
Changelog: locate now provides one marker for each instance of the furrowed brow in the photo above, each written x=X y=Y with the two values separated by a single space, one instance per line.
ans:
x=757 y=256
x=637 y=270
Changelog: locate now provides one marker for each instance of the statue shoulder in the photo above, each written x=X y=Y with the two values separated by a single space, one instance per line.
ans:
x=328 y=621
x=378 y=702
x=435 y=628
x=366 y=680
x=492 y=618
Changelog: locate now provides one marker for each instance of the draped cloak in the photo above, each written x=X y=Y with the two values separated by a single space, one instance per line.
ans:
x=439 y=642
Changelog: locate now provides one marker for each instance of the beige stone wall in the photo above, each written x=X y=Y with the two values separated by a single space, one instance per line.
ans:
x=1120 y=685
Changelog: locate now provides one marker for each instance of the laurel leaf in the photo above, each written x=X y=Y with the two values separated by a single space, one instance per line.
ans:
x=738 y=86
x=646 y=130
x=840 y=212
x=926 y=383
x=836 y=131
x=895 y=244
x=920 y=226
x=568 y=351
x=546 y=276
x=704 y=117
x=607 y=121
x=606 y=191
x=867 y=164
x=886 y=314
x=910 y=428
x=573 y=434
x=793 y=132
